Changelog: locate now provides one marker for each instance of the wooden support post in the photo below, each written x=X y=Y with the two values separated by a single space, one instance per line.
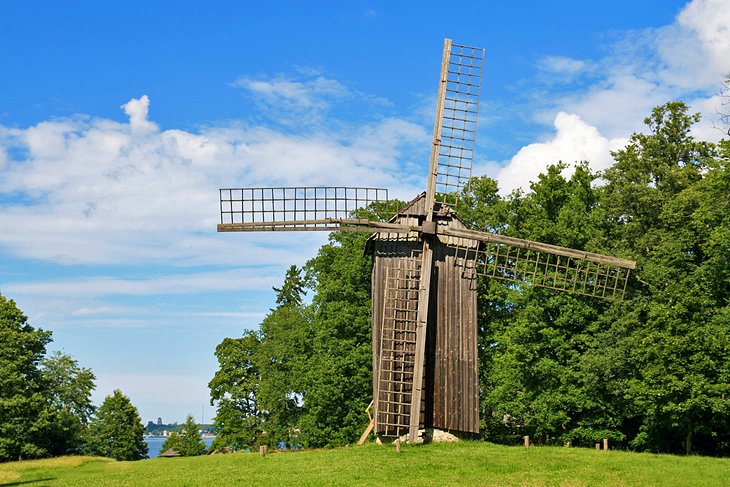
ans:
x=605 y=444
x=263 y=450
x=366 y=433
x=527 y=441
x=397 y=444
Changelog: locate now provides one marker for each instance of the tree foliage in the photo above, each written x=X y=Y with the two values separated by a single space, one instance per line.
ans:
x=69 y=406
x=45 y=401
x=650 y=372
x=304 y=378
x=22 y=392
x=116 y=430
x=187 y=442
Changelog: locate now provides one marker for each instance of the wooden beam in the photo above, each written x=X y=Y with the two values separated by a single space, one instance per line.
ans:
x=367 y=431
x=542 y=247
x=336 y=224
x=437 y=128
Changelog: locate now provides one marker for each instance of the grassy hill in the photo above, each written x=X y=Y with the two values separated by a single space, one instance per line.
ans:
x=464 y=463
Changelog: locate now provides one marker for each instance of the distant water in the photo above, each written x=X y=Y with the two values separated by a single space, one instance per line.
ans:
x=154 y=444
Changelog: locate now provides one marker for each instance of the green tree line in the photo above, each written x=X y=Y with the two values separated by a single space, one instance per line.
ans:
x=45 y=401
x=651 y=372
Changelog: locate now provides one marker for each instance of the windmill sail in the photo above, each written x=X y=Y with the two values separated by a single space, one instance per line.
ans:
x=397 y=346
x=524 y=261
x=454 y=136
x=305 y=208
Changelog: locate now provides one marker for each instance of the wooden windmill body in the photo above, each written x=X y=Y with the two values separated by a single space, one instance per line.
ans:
x=450 y=385
x=425 y=265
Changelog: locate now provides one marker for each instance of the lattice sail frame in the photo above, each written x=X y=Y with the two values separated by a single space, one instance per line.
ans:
x=398 y=347
x=456 y=120
x=294 y=208
x=587 y=276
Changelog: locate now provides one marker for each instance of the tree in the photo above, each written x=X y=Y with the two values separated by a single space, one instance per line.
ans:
x=290 y=293
x=187 y=442
x=337 y=380
x=234 y=390
x=22 y=393
x=68 y=393
x=668 y=195
x=116 y=430
x=651 y=372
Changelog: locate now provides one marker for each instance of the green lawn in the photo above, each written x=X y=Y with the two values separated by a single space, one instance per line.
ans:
x=464 y=463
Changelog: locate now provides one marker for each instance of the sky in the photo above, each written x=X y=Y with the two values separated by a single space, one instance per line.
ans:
x=119 y=122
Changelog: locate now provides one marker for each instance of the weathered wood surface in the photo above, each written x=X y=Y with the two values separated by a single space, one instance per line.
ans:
x=450 y=393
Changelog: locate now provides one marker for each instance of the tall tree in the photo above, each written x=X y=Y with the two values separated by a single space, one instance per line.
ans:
x=116 y=430
x=290 y=293
x=668 y=195
x=337 y=382
x=234 y=390
x=22 y=393
x=68 y=392
x=651 y=372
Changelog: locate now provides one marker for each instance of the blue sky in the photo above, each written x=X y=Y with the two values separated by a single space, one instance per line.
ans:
x=119 y=122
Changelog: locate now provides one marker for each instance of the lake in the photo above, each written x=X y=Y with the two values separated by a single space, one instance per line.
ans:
x=154 y=444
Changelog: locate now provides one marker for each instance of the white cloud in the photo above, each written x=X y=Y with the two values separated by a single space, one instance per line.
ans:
x=562 y=69
x=316 y=93
x=574 y=141
x=709 y=21
x=107 y=192
x=232 y=280
x=137 y=110
x=685 y=60
x=87 y=311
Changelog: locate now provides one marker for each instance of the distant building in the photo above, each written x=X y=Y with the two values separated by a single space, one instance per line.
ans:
x=159 y=421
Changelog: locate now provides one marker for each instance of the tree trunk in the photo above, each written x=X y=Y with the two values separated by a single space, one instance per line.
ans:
x=688 y=443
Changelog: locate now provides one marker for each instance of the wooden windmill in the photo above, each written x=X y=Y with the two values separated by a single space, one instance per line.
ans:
x=425 y=264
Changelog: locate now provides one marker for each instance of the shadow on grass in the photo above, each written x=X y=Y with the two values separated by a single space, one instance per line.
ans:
x=27 y=482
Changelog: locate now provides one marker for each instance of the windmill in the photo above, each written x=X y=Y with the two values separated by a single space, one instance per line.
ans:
x=425 y=264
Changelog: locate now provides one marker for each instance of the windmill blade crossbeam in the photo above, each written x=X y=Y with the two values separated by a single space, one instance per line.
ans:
x=326 y=225
x=296 y=208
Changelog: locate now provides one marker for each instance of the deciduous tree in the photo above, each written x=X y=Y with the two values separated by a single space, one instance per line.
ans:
x=23 y=427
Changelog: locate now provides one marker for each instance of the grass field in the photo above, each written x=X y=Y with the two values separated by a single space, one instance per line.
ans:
x=464 y=463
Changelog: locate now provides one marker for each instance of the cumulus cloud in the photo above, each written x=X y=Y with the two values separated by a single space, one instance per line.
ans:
x=98 y=191
x=574 y=141
x=685 y=60
x=137 y=111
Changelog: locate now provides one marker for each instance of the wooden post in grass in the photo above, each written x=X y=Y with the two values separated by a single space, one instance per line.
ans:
x=605 y=444
x=527 y=442
x=397 y=444
x=263 y=450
